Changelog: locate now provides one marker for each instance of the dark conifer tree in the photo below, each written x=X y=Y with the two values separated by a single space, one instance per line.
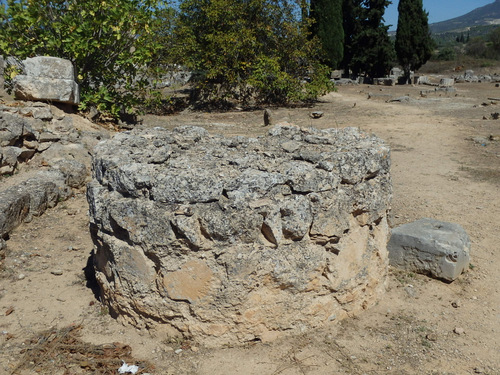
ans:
x=327 y=26
x=351 y=10
x=368 y=48
x=413 y=39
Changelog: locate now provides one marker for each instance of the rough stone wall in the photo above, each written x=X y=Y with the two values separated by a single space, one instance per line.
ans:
x=236 y=239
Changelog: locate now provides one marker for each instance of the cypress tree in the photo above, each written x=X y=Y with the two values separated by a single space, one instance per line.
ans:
x=351 y=10
x=368 y=48
x=413 y=40
x=327 y=26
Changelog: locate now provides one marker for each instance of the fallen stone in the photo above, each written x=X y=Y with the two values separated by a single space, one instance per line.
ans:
x=446 y=82
x=47 y=78
x=316 y=114
x=74 y=172
x=430 y=247
x=237 y=239
x=49 y=67
x=401 y=99
x=30 y=198
x=36 y=88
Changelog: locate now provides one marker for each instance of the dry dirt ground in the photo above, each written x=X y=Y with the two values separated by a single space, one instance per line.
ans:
x=51 y=322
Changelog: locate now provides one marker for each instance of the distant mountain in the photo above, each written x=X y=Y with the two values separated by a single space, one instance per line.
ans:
x=486 y=15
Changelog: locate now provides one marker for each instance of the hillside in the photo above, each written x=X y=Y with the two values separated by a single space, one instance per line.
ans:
x=486 y=15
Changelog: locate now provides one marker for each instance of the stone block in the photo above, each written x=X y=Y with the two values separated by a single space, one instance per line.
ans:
x=49 y=67
x=421 y=80
x=41 y=88
x=430 y=247
x=446 y=82
x=234 y=239
x=30 y=198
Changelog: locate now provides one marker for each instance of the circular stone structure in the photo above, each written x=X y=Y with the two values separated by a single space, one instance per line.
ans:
x=234 y=239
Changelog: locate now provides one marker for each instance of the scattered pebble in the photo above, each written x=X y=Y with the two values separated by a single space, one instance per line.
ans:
x=316 y=114
x=56 y=272
x=459 y=331
x=178 y=351
x=431 y=337
x=21 y=276
x=194 y=348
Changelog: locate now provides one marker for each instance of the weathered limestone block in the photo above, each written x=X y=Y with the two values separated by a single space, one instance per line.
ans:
x=446 y=82
x=14 y=130
x=49 y=67
x=431 y=247
x=37 y=88
x=30 y=198
x=229 y=240
x=47 y=78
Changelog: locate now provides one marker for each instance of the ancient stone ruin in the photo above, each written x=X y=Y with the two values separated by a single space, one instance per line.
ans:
x=47 y=78
x=234 y=239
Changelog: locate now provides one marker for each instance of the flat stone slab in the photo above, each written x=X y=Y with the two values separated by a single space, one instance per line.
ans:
x=435 y=248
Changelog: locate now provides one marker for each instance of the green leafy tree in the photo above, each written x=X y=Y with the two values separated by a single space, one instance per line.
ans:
x=327 y=25
x=413 y=44
x=249 y=50
x=368 y=48
x=110 y=43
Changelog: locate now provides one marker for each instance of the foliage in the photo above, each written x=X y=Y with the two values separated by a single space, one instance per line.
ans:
x=248 y=50
x=369 y=49
x=446 y=54
x=326 y=18
x=413 y=44
x=110 y=43
x=476 y=47
x=494 y=38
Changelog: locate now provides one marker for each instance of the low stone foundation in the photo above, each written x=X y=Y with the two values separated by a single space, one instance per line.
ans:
x=234 y=239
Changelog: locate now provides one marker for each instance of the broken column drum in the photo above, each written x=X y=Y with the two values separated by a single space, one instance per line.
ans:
x=234 y=239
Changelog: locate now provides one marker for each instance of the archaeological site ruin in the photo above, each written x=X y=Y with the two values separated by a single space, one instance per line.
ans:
x=227 y=240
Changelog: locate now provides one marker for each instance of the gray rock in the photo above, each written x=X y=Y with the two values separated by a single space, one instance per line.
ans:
x=47 y=78
x=30 y=198
x=446 y=82
x=37 y=88
x=13 y=129
x=401 y=99
x=431 y=247
x=236 y=239
x=75 y=172
x=49 y=67
x=422 y=80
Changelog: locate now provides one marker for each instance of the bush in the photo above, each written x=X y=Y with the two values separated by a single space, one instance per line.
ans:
x=446 y=54
x=110 y=42
x=249 y=51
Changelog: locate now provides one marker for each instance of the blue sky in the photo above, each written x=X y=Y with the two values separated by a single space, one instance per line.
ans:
x=439 y=10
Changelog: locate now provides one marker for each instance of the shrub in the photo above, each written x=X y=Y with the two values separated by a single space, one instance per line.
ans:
x=110 y=42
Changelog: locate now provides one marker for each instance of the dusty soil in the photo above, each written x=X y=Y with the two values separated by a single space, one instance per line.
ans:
x=420 y=326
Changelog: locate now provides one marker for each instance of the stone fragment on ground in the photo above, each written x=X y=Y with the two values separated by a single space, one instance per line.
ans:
x=435 y=248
